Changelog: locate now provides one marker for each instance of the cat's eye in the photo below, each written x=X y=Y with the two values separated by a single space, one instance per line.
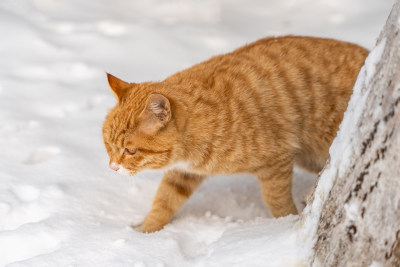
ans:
x=130 y=152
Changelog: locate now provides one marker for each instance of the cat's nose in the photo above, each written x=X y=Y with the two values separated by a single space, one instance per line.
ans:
x=114 y=166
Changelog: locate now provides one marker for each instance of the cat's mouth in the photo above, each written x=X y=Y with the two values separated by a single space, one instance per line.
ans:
x=121 y=170
x=126 y=172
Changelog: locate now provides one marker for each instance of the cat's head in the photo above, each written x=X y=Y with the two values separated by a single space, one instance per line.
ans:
x=139 y=132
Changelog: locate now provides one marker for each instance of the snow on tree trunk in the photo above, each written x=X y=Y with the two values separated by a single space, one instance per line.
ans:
x=353 y=218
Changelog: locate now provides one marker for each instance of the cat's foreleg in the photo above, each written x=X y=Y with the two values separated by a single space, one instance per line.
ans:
x=276 y=188
x=175 y=188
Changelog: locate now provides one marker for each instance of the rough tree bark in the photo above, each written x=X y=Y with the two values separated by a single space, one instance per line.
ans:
x=360 y=220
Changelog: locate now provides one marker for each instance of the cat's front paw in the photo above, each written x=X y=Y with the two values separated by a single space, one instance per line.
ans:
x=150 y=228
x=152 y=223
x=147 y=227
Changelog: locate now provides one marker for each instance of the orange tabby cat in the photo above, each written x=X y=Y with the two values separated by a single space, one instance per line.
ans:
x=258 y=110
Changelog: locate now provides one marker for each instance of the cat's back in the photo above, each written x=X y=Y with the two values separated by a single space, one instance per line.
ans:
x=273 y=52
x=278 y=64
x=311 y=75
x=299 y=60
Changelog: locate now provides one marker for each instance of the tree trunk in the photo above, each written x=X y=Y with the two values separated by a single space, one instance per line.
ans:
x=356 y=204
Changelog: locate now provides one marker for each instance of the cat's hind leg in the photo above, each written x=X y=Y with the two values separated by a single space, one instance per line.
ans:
x=175 y=188
x=276 y=187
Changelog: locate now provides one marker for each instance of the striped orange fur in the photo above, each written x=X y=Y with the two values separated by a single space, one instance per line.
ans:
x=259 y=109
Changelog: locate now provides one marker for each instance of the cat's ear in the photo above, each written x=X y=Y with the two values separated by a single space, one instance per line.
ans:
x=118 y=86
x=156 y=114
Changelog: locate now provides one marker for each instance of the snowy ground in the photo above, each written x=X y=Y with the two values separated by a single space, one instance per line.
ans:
x=60 y=205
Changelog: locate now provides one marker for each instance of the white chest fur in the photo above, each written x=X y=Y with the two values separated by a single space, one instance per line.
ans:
x=181 y=165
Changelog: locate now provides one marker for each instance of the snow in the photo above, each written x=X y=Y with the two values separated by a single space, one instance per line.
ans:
x=376 y=264
x=60 y=203
x=373 y=58
x=352 y=209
